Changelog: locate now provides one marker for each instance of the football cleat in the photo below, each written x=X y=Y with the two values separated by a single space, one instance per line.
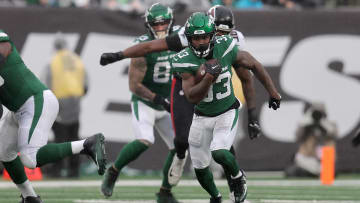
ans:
x=216 y=199
x=240 y=189
x=94 y=147
x=108 y=183
x=176 y=169
x=30 y=199
x=165 y=197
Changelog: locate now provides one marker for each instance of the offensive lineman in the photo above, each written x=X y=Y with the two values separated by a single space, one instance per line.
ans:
x=215 y=121
x=150 y=83
x=25 y=128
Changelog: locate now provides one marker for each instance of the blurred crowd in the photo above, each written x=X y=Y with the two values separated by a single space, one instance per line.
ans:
x=139 y=6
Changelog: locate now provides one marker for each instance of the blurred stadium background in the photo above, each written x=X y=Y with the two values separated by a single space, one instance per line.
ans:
x=311 y=52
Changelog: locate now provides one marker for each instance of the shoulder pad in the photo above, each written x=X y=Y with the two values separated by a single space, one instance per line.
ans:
x=176 y=28
x=239 y=38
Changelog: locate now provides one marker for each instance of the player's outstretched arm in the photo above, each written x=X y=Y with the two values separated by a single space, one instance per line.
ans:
x=246 y=60
x=5 y=50
x=138 y=50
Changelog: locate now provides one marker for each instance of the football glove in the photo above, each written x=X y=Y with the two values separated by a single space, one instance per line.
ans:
x=165 y=103
x=356 y=140
x=107 y=58
x=254 y=128
x=213 y=67
x=274 y=103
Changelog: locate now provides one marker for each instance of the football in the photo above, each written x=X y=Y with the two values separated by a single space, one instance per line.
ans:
x=200 y=73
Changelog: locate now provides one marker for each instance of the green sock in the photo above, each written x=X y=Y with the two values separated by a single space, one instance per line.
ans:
x=206 y=181
x=51 y=153
x=129 y=153
x=16 y=170
x=227 y=173
x=166 y=167
x=226 y=160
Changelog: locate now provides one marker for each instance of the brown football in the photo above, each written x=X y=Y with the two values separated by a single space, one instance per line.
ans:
x=200 y=73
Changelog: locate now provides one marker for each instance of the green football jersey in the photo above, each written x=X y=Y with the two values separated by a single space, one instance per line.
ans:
x=18 y=83
x=158 y=76
x=221 y=94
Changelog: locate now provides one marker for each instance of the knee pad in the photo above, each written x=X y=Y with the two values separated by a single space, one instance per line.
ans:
x=221 y=156
x=28 y=160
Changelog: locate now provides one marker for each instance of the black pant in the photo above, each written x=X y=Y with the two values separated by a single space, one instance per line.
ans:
x=66 y=133
x=181 y=115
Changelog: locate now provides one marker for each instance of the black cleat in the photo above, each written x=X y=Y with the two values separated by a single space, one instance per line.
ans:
x=94 y=147
x=108 y=183
x=240 y=188
x=165 y=197
x=216 y=199
x=30 y=199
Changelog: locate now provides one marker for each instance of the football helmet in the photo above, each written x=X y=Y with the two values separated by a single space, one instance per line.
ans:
x=223 y=18
x=159 y=14
x=200 y=25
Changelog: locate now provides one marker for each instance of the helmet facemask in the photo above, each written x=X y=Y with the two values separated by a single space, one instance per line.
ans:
x=160 y=34
x=157 y=15
x=200 y=26
x=202 y=50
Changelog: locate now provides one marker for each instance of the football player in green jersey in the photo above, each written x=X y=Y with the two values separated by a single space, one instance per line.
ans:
x=150 y=83
x=32 y=111
x=215 y=122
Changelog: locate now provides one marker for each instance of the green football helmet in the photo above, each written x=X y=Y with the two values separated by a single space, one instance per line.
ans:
x=159 y=14
x=200 y=25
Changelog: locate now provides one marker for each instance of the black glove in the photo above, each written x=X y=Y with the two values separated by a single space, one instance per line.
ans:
x=254 y=128
x=274 y=103
x=356 y=140
x=107 y=58
x=213 y=67
x=159 y=100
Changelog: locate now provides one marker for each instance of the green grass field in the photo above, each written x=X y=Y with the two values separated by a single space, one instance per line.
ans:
x=261 y=189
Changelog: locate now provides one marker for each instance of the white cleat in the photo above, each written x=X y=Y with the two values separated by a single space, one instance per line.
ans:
x=176 y=169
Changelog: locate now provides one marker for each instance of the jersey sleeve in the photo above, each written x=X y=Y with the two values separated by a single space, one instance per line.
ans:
x=239 y=38
x=181 y=63
x=177 y=41
x=229 y=47
x=4 y=37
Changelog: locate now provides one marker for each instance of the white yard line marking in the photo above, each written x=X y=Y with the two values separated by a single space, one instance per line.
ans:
x=97 y=183
x=145 y=201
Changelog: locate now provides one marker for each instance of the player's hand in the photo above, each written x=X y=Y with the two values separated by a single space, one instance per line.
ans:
x=213 y=67
x=274 y=103
x=254 y=128
x=165 y=103
x=107 y=58
x=356 y=140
